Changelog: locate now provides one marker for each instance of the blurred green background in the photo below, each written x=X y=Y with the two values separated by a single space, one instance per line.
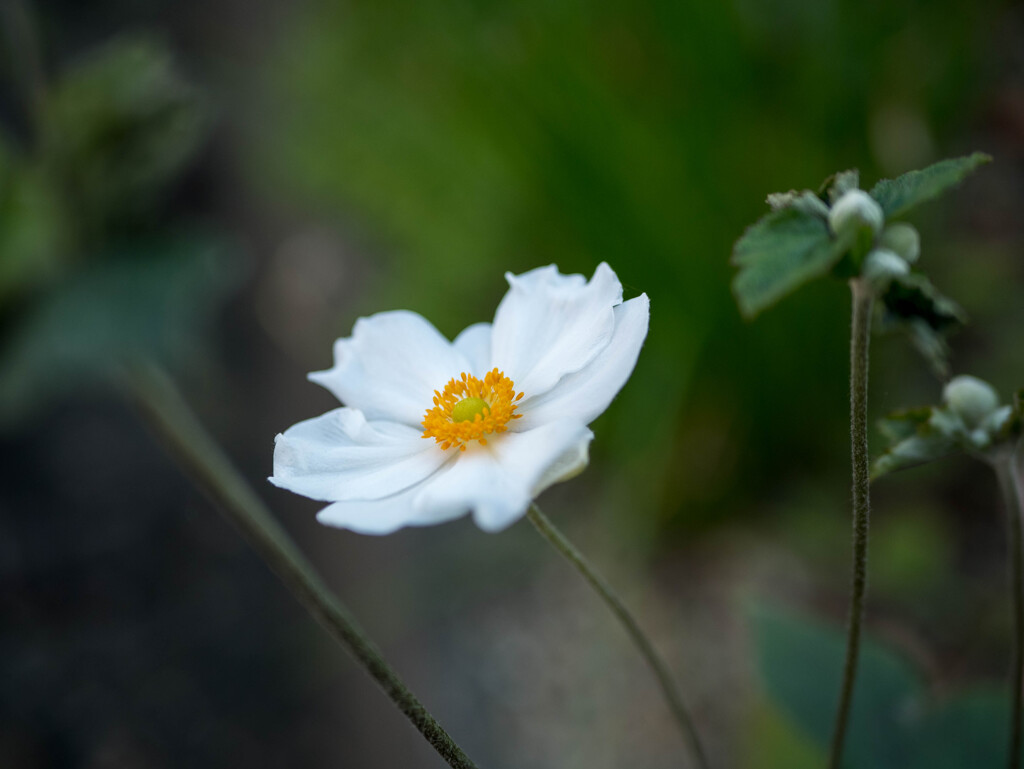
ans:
x=230 y=185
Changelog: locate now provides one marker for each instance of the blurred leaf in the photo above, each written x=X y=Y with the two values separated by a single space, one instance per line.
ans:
x=917 y=436
x=912 y=304
x=772 y=742
x=122 y=308
x=801 y=664
x=119 y=126
x=897 y=196
x=892 y=725
x=31 y=231
x=969 y=731
x=900 y=425
x=779 y=253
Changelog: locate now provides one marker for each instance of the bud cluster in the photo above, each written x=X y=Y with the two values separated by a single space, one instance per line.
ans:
x=893 y=248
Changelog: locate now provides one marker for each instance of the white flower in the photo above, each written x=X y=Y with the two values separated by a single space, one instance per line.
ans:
x=433 y=429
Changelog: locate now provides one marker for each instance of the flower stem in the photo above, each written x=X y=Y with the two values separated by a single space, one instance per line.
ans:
x=169 y=416
x=548 y=530
x=860 y=336
x=1013 y=498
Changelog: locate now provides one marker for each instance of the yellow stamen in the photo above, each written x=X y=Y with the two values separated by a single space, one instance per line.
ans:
x=470 y=408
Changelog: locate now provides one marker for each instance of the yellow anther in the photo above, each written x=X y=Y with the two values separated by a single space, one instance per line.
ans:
x=470 y=408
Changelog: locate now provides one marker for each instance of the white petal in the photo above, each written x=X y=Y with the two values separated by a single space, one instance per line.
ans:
x=475 y=343
x=390 y=367
x=549 y=325
x=339 y=456
x=584 y=395
x=498 y=481
x=382 y=516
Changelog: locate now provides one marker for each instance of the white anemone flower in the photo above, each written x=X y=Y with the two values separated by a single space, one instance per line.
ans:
x=432 y=429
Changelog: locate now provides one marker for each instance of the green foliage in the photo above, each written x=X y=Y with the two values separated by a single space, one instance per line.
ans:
x=779 y=253
x=32 y=238
x=838 y=184
x=913 y=305
x=900 y=195
x=456 y=141
x=117 y=127
x=920 y=435
x=121 y=309
x=916 y=436
x=895 y=724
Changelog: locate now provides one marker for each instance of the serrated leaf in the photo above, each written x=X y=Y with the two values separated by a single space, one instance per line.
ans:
x=779 y=253
x=804 y=200
x=912 y=304
x=916 y=436
x=838 y=184
x=897 y=196
x=150 y=300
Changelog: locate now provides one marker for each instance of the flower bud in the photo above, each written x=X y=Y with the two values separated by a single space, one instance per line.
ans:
x=882 y=265
x=855 y=210
x=902 y=239
x=971 y=399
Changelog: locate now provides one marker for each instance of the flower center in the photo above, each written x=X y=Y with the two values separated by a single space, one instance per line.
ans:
x=470 y=408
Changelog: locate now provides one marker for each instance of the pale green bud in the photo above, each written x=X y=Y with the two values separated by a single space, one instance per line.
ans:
x=971 y=399
x=855 y=210
x=882 y=265
x=902 y=238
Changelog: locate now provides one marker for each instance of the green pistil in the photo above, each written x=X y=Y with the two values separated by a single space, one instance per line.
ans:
x=467 y=409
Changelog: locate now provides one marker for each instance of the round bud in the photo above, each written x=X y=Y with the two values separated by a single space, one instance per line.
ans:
x=902 y=238
x=855 y=210
x=882 y=265
x=971 y=399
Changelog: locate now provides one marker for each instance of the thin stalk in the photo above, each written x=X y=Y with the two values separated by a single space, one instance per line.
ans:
x=675 y=701
x=1013 y=498
x=171 y=419
x=860 y=336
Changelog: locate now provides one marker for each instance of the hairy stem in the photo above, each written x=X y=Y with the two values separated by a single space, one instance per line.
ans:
x=1013 y=498
x=860 y=336
x=675 y=701
x=171 y=419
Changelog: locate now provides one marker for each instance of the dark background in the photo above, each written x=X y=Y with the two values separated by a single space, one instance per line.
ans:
x=355 y=157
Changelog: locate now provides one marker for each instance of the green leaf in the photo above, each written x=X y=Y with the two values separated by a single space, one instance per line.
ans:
x=801 y=665
x=838 y=184
x=151 y=300
x=32 y=235
x=900 y=425
x=912 y=304
x=970 y=730
x=916 y=436
x=894 y=724
x=779 y=253
x=804 y=200
x=897 y=196
x=119 y=126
